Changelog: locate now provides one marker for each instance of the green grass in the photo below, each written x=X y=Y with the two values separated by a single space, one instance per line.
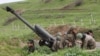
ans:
x=66 y=52
x=36 y=12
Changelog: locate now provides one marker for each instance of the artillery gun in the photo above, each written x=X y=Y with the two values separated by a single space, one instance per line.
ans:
x=46 y=38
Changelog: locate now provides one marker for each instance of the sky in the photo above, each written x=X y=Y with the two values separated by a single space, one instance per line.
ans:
x=9 y=1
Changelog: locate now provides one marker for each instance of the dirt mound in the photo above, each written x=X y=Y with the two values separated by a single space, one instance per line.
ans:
x=54 y=29
x=72 y=5
x=63 y=29
x=46 y=1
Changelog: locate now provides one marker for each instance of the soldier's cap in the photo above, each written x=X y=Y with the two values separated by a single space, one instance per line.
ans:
x=79 y=35
x=73 y=27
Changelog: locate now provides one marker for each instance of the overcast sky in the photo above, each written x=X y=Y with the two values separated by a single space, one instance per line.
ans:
x=8 y=1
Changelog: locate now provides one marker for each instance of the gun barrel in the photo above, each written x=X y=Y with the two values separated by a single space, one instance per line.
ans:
x=43 y=33
x=19 y=17
x=37 y=29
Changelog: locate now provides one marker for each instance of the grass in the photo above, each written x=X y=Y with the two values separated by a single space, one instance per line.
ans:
x=67 y=52
x=36 y=12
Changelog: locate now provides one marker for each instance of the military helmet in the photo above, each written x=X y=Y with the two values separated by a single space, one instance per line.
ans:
x=79 y=35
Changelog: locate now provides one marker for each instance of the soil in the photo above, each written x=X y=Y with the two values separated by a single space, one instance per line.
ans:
x=72 y=5
x=63 y=29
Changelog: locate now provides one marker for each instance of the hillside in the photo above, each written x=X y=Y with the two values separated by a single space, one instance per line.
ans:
x=52 y=13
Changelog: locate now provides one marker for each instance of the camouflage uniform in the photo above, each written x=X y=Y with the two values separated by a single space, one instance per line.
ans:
x=31 y=47
x=71 y=35
x=70 y=40
x=89 y=42
x=58 y=42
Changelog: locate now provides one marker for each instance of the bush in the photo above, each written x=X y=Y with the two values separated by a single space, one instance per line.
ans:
x=44 y=50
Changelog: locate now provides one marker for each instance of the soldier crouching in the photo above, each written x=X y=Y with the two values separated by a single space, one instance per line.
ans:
x=88 y=42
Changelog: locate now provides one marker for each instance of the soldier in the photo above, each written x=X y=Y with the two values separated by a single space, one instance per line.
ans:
x=59 y=40
x=90 y=32
x=59 y=43
x=71 y=36
x=88 y=42
x=70 y=40
x=31 y=47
